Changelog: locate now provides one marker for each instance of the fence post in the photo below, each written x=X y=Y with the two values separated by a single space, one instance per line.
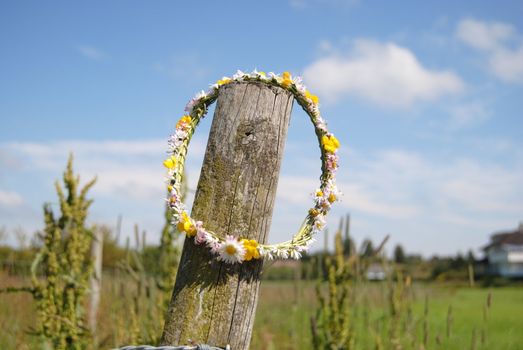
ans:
x=212 y=302
x=95 y=283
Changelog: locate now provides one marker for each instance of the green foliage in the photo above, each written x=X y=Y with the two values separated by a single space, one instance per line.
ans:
x=399 y=254
x=153 y=270
x=142 y=295
x=331 y=326
x=65 y=261
x=112 y=252
x=367 y=248
x=169 y=253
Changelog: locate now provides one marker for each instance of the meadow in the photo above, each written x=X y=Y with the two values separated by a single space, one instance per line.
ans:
x=284 y=312
x=286 y=307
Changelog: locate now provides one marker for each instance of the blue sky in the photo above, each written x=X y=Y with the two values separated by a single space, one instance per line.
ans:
x=425 y=97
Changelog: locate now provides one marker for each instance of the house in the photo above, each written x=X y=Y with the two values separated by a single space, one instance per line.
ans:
x=504 y=254
x=376 y=272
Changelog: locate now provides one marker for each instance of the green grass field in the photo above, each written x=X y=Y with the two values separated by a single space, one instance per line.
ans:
x=285 y=309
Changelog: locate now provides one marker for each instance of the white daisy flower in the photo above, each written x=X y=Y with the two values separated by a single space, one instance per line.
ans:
x=200 y=95
x=262 y=251
x=210 y=92
x=271 y=254
x=282 y=254
x=231 y=251
x=319 y=222
x=174 y=141
x=190 y=105
x=321 y=124
x=298 y=82
x=302 y=248
x=212 y=243
x=238 y=75
x=295 y=254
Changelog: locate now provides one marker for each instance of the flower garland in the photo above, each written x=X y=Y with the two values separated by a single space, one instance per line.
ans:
x=230 y=249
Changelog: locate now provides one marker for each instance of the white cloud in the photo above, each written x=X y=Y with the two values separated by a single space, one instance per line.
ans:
x=396 y=191
x=468 y=114
x=432 y=186
x=483 y=35
x=10 y=199
x=428 y=204
x=91 y=52
x=103 y=147
x=130 y=179
x=361 y=198
x=406 y=185
x=494 y=39
x=508 y=64
x=129 y=169
x=384 y=73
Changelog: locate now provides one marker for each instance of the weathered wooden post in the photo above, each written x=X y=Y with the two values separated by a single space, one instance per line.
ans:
x=214 y=302
x=95 y=282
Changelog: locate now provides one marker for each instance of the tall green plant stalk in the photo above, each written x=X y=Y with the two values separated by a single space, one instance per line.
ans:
x=65 y=260
x=152 y=293
x=169 y=252
x=169 y=257
x=331 y=326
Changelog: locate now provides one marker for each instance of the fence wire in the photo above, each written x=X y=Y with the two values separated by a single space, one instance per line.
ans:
x=191 y=347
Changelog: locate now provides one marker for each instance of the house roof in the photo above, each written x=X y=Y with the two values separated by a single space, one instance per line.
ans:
x=511 y=237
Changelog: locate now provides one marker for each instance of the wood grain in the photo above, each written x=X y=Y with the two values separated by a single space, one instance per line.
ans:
x=212 y=302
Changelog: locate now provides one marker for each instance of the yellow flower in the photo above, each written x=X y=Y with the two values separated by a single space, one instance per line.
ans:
x=223 y=81
x=286 y=79
x=170 y=163
x=169 y=188
x=230 y=249
x=332 y=198
x=314 y=212
x=262 y=74
x=330 y=143
x=185 y=225
x=312 y=97
x=319 y=193
x=251 y=249
x=186 y=119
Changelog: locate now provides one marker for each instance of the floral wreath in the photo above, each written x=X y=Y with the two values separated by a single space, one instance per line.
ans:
x=231 y=249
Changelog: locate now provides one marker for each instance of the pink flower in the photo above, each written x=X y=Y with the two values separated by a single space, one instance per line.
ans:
x=201 y=235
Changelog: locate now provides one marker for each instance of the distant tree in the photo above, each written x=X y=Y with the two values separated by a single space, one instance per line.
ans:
x=21 y=237
x=413 y=259
x=112 y=252
x=470 y=257
x=3 y=234
x=458 y=262
x=349 y=247
x=367 y=248
x=399 y=254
